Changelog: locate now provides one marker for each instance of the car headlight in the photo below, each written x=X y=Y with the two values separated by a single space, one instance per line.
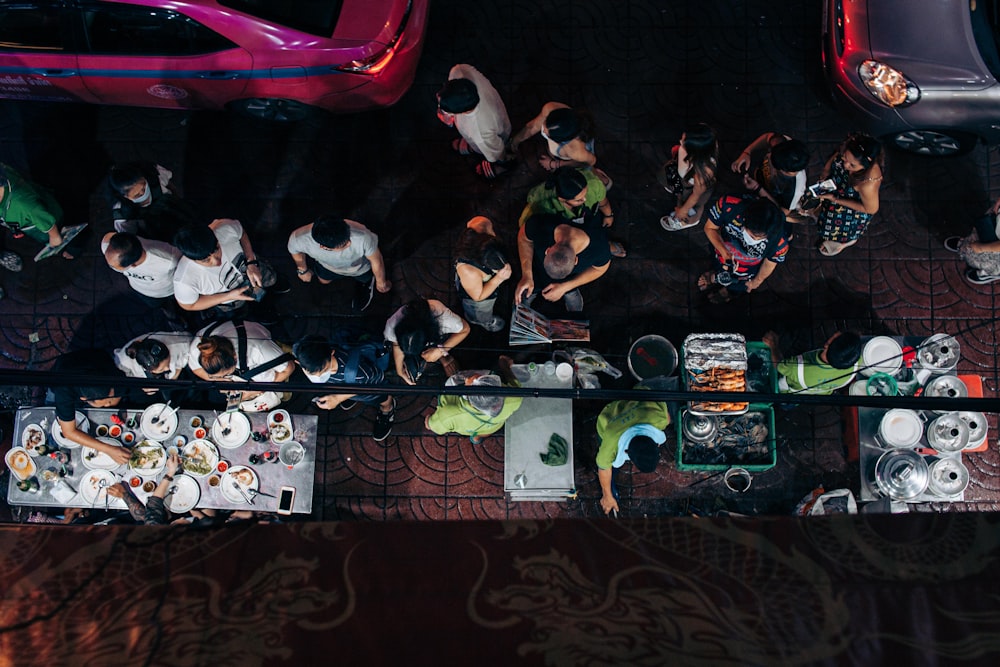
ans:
x=888 y=85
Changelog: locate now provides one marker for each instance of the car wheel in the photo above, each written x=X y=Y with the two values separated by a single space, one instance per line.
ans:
x=273 y=109
x=933 y=143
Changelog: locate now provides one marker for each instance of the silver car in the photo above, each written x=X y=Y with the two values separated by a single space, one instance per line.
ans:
x=920 y=74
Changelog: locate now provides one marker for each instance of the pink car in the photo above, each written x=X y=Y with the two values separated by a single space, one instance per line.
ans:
x=273 y=59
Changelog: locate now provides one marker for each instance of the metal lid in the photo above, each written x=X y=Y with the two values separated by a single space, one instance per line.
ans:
x=939 y=352
x=976 y=421
x=948 y=477
x=699 y=427
x=948 y=433
x=901 y=474
x=946 y=386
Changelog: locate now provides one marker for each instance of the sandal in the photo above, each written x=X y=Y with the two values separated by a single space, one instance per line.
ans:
x=706 y=280
x=672 y=224
x=617 y=249
x=461 y=146
x=832 y=248
x=491 y=170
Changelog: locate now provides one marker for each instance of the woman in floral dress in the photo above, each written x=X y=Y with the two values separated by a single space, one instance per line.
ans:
x=845 y=213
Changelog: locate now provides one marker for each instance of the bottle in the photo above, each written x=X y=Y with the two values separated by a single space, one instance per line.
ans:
x=533 y=369
x=550 y=368
x=254 y=459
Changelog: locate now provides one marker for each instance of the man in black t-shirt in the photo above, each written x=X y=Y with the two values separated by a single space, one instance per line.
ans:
x=558 y=258
x=99 y=365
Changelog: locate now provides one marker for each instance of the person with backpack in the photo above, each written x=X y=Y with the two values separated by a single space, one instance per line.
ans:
x=238 y=351
x=424 y=331
x=323 y=362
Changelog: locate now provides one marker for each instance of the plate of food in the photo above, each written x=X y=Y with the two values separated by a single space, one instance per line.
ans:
x=82 y=424
x=31 y=437
x=20 y=463
x=94 y=486
x=158 y=422
x=95 y=460
x=183 y=494
x=231 y=430
x=279 y=425
x=239 y=483
x=148 y=458
x=199 y=458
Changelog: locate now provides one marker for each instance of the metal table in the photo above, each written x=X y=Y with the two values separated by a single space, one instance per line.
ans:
x=526 y=436
x=871 y=450
x=272 y=475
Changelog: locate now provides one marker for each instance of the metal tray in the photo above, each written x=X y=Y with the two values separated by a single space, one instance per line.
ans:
x=707 y=351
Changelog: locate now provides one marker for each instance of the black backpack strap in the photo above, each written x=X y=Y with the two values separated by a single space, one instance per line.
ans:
x=267 y=365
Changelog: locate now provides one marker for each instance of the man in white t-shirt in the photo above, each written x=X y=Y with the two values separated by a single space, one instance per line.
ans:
x=219 y=271
x=469 y=103
x=339 y=247
x=148 y=265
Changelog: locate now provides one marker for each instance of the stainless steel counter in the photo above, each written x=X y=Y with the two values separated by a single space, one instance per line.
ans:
x=272 y=475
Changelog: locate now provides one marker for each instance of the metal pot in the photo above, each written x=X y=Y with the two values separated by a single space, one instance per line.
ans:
x=900 y=428
x=902 y=474
x=699 y=428
x=948 y=433
x=946 y=386
x=947 y=477
x=939 y=353
x=978 y=428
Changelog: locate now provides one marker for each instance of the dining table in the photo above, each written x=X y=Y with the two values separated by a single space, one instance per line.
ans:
x=68 y=474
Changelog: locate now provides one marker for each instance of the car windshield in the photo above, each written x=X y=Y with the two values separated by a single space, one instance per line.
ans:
x=985 y=14
x=316 y=17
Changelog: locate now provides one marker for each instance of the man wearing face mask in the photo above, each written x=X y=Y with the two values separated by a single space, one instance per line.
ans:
x=749 y=238
x=325 y=364
x=146 y=202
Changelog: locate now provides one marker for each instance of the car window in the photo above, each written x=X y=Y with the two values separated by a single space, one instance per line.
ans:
x=316 y=17
x=985 y=17
x=145 y=31
x=31 y=28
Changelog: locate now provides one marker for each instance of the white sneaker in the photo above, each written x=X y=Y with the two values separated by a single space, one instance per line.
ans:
x=672 y=224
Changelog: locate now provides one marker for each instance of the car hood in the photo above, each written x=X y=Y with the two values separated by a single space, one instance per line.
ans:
x=933 y=46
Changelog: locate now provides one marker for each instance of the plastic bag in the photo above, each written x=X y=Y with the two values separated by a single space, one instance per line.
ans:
x=820 y=502
x=262 y=403
x=589 y=361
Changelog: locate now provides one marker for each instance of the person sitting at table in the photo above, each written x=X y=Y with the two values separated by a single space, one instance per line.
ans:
x=628 y=431
x=238 y=351
x=474 y=415
x=323 y=363
x=98 y=367
x=821 y=371
x=162 y=355
x=423 y=332
x=154 y=512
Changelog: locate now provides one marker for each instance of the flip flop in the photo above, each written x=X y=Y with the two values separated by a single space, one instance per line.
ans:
x=829 y=250
x=672 y=224
x=491 y=170
x=617 y=249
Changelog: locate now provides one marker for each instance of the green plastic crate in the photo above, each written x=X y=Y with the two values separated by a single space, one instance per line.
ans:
x=769 y=463
x=754 y=347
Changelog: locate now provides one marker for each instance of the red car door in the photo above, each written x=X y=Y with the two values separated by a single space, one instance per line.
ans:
x=147 y=56
x=37 y=58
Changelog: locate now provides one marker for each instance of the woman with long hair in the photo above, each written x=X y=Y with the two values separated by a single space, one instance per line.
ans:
x=481 y=266
x=422 y=332
x=844 y=215
x=690 y=176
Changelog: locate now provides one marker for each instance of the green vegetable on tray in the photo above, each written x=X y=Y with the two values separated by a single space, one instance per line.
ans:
x=558 y=453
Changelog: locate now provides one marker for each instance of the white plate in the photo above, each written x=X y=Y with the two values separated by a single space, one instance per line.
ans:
x=186 y=496
x=90 y=486
x=162 y=429
x=156 y=458
x=234 y=474
x=881 y=354
x=26 y=435
x=859 y=388
x=95 y=460
x=202 y=452
x=82 y=423
x=20 y=463
x=239 y=430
